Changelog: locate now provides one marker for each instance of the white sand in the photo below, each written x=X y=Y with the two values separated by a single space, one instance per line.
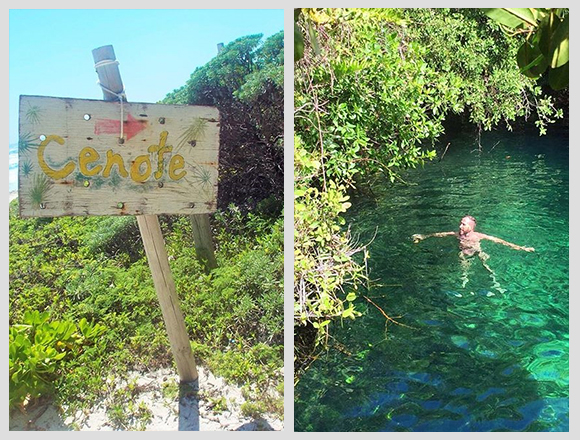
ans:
x=195 y=410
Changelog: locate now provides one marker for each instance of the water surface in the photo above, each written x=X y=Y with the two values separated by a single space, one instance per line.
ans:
x=490 y=355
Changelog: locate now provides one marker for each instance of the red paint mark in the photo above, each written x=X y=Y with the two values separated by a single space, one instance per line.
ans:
x=111 y=126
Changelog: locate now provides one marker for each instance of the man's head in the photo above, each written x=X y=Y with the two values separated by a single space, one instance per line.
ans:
x=467 y=225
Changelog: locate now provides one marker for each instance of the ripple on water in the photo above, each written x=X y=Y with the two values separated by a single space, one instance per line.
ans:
x=461 y=341
x=548 y=370
x=551 y=349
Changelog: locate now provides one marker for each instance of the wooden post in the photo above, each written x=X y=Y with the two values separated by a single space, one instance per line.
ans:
x=110 y=77
x=202 y=240
x=167 y=294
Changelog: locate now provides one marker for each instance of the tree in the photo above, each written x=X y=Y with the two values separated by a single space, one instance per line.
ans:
x=245 y=82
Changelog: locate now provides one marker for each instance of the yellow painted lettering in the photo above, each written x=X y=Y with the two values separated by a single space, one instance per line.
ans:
x=136 y=173
x=160 y=149
x=175 y=164
x=86 y=156
x=114 y=159
x=54 y=174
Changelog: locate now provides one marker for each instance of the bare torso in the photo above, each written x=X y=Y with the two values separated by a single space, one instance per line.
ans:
x=470 y=243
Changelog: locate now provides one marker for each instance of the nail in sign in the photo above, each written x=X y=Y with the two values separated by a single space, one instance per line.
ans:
x=92 y=157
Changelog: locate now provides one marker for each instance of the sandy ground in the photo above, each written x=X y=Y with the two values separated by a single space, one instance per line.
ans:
x=208 y=405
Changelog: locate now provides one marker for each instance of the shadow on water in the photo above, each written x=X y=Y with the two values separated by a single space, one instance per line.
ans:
x=473 y=357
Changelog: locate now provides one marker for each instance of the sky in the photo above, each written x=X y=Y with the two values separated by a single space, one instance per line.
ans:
x=50 y=50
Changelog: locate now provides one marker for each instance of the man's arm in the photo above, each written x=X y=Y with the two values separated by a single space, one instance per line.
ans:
x=418 y=237
x=507 y=243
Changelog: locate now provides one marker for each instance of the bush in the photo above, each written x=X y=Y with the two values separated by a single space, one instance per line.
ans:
x=38 y=348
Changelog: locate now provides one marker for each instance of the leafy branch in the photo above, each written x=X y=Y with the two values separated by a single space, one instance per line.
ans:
x=546 y=46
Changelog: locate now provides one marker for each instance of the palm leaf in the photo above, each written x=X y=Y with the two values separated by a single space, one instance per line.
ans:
x=201 y=175
x=33 y=114
x=193 y=133
x=26 y=168
x=40 y=186
x=27 y=142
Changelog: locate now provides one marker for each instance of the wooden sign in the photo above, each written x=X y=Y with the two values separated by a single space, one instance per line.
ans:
x=91 y=157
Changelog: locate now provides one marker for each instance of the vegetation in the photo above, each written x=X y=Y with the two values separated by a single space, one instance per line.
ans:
x=82 y=302
x=373 y=89
x=544 y=51
x=36 y=347
x=245 y=81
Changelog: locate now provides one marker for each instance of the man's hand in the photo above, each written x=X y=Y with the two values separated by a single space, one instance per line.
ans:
x=417 y=238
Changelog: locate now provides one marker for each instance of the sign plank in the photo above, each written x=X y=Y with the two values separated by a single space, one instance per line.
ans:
x=75 y=158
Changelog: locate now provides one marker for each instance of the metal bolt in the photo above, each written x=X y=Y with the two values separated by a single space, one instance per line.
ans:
x=121 y=141
x=42 y=206
x=192 y=205
x=162 y=120
x=120 y=205
x=160 y=184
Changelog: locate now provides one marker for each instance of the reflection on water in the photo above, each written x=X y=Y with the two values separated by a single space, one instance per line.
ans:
x=472 y=357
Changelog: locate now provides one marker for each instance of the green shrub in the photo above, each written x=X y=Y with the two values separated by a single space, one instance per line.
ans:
x=37 y=350
x=324 y=261
x=114 y=235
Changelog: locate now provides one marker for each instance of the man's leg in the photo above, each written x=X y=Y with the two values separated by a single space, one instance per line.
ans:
x=465 y=264
x=484 y=257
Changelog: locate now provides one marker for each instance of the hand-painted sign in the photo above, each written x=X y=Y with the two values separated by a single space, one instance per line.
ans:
x=91 y=157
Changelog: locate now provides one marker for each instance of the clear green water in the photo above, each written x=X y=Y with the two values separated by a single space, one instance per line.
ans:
x=479 y=357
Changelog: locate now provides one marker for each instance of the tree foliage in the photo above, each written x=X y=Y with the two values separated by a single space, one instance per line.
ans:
x=245 y=81
x=545 y=50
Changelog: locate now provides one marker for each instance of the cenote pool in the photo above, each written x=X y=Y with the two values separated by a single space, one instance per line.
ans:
x=484 y=356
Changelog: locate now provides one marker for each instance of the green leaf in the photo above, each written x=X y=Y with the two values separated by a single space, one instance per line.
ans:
x=299 y=192
x=545 y=33
x=553 y=37
x=558 y=78
x=313 y=38
x=298 y=43
x=84 y=326
x=348 y=313
x=351 y=296
x=512 y=17
x=297 y=12
x=559 y=47
x=319 y=325
x=531 y=61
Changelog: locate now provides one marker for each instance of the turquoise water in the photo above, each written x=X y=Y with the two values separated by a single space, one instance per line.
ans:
x=490 y=355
